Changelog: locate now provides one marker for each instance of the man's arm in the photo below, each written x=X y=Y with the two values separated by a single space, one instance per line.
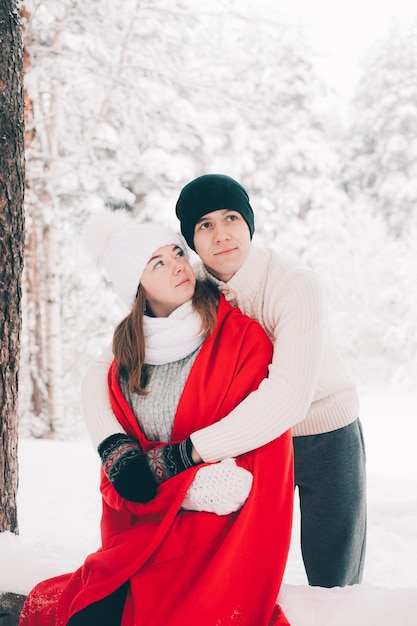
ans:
x=98 y=414
x=283 y=398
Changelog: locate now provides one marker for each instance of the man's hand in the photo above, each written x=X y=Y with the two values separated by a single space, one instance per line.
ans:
x=220 y=488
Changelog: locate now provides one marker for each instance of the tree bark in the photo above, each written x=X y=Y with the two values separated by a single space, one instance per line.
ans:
x=11 y=252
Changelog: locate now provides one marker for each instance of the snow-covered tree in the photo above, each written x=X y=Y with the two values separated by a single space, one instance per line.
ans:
x=288 y=161
x=382 y=137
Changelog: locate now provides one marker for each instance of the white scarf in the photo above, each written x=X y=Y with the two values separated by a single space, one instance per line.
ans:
x=172 y=338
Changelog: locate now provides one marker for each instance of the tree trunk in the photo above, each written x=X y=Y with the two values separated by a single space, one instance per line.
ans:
x=11 y=252
x=33 y=318
x=54 y=340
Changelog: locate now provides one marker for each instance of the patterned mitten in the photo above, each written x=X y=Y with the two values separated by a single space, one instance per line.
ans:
x=220 y=488
x=126 y=468
x=169 y=460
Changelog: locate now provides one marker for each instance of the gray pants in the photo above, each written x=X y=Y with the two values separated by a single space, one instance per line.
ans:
x=330 y=476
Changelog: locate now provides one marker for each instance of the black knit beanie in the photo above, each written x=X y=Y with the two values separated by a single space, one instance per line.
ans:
x=209 y=193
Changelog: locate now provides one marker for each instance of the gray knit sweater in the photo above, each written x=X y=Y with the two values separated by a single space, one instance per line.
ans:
x=155 y=411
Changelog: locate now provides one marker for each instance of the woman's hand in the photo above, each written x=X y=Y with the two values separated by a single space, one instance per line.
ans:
x=135 y=475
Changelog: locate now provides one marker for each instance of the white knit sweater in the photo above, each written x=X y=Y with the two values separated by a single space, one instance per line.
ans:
x=308 y=389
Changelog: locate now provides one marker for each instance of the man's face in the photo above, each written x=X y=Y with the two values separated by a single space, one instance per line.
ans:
x=222 y=241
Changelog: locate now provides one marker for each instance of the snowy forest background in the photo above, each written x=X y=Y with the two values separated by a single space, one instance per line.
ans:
x=127 y=100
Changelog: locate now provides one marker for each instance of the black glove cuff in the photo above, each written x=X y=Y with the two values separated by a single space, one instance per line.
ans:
x=185 y=457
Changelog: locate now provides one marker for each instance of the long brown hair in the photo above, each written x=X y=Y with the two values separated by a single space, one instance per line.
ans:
x=129 y=338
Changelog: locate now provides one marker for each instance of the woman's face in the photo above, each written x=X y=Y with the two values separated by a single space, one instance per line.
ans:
x=168 y=280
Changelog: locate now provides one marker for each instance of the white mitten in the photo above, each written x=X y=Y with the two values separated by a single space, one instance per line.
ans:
x=220 y=488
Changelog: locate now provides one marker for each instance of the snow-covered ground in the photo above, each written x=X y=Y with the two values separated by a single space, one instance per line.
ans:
x=59 y=512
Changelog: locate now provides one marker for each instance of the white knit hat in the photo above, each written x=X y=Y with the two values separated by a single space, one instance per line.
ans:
x=122 y=246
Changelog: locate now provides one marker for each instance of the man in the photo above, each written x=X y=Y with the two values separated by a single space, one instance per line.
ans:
x=308 y=388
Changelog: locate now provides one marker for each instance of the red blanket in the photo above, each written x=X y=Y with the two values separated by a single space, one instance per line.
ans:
x=187 y=567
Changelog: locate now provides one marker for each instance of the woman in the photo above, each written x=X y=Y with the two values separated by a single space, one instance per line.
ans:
x=166 y=556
